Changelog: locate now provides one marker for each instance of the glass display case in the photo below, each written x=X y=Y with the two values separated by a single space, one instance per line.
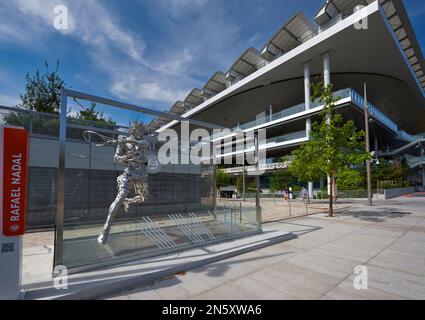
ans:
x=178 y=209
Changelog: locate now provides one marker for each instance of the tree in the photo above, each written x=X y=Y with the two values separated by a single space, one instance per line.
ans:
x=222 y=178
x=280 y=180
x=387 y=171
x=239 y=183
x=42 y=94
x=252 y=186
x=43 y=91
x=90 y=114
x=335 y=148
x=351 y=179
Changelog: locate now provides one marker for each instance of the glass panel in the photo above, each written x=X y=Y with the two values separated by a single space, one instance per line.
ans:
x=178 y=210
x=43 y=165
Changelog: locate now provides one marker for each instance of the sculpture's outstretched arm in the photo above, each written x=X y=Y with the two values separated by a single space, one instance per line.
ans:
x=120 y=155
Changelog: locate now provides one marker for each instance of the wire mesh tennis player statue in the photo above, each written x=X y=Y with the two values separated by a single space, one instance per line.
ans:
x=132 y=153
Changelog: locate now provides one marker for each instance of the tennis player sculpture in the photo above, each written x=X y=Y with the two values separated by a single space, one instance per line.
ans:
x=132 y=153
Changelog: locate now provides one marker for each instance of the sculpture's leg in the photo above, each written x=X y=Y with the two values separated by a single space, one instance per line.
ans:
x=123 y=192
x=134 y=200
x=140 y=190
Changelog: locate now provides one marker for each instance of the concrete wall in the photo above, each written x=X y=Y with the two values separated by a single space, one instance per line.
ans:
x=90 y=185
x=393 y=193
x=44 y=153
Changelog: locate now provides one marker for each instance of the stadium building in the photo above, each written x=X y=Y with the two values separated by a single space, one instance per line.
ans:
x=349 y=43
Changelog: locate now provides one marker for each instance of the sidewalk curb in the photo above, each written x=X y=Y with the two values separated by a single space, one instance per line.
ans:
x=100 y=291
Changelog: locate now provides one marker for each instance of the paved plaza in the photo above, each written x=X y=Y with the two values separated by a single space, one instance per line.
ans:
x=389 y=239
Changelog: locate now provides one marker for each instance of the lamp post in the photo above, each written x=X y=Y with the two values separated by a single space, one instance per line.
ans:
x=244 y=176
x=368 y=169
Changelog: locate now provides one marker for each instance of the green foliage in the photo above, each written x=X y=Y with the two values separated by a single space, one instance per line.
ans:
x=222 y=178
x=17 y=119
x=350 y=179
x=43 y=91
x=251 y=186
x=43 y=95
x=387 y=185
x=280 y=180
x=396 y=170
x=37 y=123
x=239 y=183
x=322 y=195
x=90 y=114
x=360 y=193
x=297 y=188
x=335 y=148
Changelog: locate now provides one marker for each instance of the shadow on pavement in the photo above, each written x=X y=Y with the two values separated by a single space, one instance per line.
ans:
x=381 y=215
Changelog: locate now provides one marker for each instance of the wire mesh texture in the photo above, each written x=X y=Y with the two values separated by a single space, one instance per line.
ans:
x=276 y=207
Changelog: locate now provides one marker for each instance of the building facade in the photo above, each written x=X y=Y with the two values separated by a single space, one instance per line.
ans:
x=349 y=43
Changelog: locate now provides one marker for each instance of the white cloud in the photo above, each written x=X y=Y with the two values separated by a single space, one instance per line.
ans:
x=178 y=6
x=165 y=73
x=178 y=64
x=10 y=34
x=44 y=9
x=34 y=20
x=133 y=87
x=97 y=28
x=8 y=101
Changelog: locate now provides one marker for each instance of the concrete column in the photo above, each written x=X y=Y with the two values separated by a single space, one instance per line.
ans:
x=326 y=69
x=244 y=177
x=423 y=170
x=307 y=86
x=307 y=95
x=214 y=186
x=327 y=82
x=257 y=183
x=376 y=146
x=423 y=178
x=308 y=127
x=271 y=112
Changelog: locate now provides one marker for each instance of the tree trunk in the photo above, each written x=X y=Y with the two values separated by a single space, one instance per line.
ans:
x=331 y=196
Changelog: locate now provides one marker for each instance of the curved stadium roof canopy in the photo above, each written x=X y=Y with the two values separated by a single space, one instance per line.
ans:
x=252 y=66
x=297 y=30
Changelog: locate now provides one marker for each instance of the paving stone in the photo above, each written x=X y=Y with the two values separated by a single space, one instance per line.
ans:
x=123 y=297
x=415 y=236
x=319 y=264
x=400 y=261
x=194 y=284
x=295 y=281
x=266 y=292
x=416 y=248
x=145 y=295
x=396 y=286
x=320 y=261
x=170 y=289
x=229 y=291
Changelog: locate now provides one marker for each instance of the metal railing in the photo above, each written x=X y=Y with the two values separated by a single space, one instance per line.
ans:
x=288 y=137
x=294 y=110
x=262 y=167
x=275 y=207
x=378 y=115
x=47 y=124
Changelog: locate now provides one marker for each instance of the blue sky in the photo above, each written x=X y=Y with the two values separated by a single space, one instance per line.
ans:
x=148 y=52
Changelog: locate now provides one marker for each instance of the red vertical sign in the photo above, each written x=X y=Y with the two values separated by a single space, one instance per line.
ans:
x=15 y=178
